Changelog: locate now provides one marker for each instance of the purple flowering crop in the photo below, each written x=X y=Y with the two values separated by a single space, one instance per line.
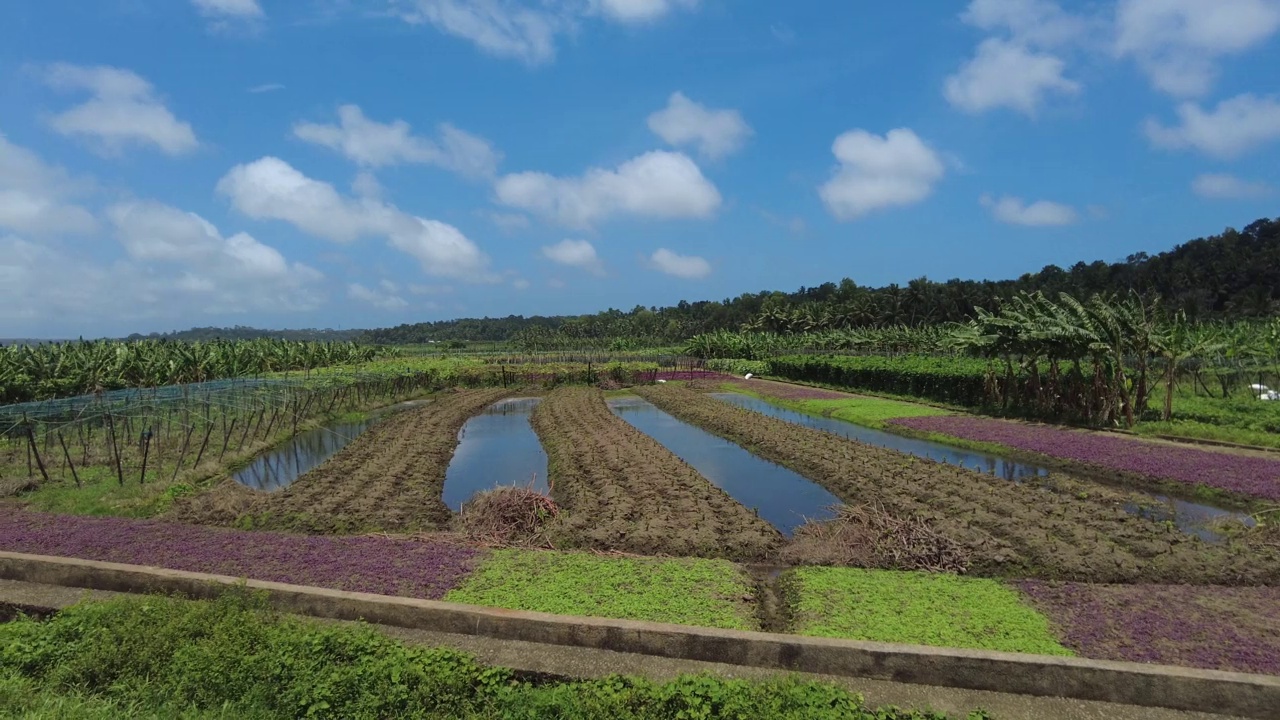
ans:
x=1244 y=474
x=787 y=391
x=1216 y=628
x=408 y=568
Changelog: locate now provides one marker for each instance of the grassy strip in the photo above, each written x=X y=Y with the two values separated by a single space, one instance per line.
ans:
x=919 y=608
x=709 y=593
x=232 y=658
x=866 y=411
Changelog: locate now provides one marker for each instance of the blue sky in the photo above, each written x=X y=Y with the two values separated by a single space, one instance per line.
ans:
x=333 y=163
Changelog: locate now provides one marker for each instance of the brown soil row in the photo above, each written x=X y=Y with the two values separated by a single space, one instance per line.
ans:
x=1009 y=529
x=622 y=490
x=389 y=479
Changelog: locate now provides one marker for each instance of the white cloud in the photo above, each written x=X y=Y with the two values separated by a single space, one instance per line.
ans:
x=1221 y=186
x=689 y=267
x=575 y=253
x=520 y=284
x=1234 y=127
x=1005 y=74
x=1179 y=43
x=1038 y=22
x=879 y=172
x=716 y=133
x=509 y=222
x=640 y=11
x=34 y=196
x=122 y=111
x=242 y=9
x=266 y=88
x=527 y=30
x=271 y=189
x=556 y=284
x=374 y=144
x=384 y=297
x=658 y=184
x=1041 y=213
x=430 y=289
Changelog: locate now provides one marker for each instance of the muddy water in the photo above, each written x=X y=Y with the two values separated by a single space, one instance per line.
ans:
x=496 y=447
x=783 y=498
x=1190 y=517
x=279 y=467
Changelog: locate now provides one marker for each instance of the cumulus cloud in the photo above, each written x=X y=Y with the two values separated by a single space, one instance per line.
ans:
x=658 y=184
x=123 y=110
x=229 y=8
x=1228 y=131
x=575 y=253
x=877 y=172
x=1221 y=186
x=373 y=144
x=1005 y=74
x=1022 y=69
x=526 y=30
x=1179 y=43
x=1041 y=213
x=266 y=88
x=35 y=198
x=271 y=189
x=385 y=296
x=689 y=267
x=716 y=133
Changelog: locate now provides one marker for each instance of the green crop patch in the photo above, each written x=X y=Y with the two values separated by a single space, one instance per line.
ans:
x=688 y=591
x=917 y=608
x=867 y=411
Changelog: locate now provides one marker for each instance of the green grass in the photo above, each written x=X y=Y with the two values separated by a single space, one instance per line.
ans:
x=153 y=657
x=688 y=591
x=918 y=608
x=867 y=411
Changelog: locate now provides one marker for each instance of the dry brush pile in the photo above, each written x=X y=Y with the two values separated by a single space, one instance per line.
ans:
x=622 y=490
x=388 y=479
x=1007 y=528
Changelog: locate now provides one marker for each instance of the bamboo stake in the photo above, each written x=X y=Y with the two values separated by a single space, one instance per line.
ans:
x=31 y=440
x=146 y=453
x=115 y=448
x=227 y=438
x=67 y=455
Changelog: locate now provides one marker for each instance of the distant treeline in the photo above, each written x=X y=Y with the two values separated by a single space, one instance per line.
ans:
x=241 y=332
x=1233 y=275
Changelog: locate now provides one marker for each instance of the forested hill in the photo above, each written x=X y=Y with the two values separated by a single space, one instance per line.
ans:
x=1234 y=274
x=240 y=332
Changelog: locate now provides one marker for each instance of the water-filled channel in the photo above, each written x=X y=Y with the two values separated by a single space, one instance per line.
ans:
x=1190 y=517
x=497 y=447
x=783 y=497
x=280 y=466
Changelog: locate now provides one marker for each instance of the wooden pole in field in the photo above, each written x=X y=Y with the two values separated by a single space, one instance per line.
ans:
x=67 y=455
x=227 y=438
x=207 y=432
x=182 y=455
x=115 y=448
x=146 y=453
x=31 y=440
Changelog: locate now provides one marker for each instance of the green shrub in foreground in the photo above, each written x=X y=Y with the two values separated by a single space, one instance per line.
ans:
x=231 y=658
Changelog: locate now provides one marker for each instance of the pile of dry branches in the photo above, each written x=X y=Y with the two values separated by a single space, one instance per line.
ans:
x=870 y=537
x=508 y=517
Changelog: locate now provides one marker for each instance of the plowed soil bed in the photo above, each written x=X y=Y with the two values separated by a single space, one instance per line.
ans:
x=622 y=490
x=1009 y=529
x=388 y=479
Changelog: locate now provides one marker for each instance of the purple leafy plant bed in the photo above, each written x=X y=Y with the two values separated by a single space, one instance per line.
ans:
x=384 y=566
x=786 y=391
x=684 y=375
x=1216 y=628
x=1243 y=474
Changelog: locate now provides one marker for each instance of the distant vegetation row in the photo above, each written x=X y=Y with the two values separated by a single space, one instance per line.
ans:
x=39 y=372
x=1100 y=362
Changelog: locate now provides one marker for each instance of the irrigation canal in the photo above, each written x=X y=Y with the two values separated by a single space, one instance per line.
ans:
x=1190 y=517
x=783 y=497
x=496 y=447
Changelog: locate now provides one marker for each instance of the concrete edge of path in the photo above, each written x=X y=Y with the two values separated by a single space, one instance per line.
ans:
x=1240 y=694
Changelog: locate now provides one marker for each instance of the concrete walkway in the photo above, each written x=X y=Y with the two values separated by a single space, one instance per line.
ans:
x=588 y=663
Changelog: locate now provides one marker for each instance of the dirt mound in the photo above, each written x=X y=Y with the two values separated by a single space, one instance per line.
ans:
x=869 y=537
x=508 y=517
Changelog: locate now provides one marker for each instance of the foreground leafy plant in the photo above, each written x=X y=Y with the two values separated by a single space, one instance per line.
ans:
x=710 y=593
x=232 y=658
